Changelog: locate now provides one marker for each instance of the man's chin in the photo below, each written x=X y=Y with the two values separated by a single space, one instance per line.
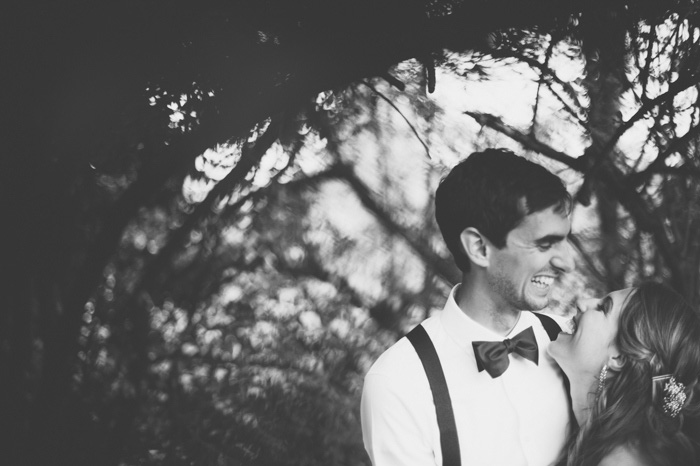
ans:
x=538 y=303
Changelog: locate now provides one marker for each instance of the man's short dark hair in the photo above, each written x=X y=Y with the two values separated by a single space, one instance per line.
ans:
x=493 y=191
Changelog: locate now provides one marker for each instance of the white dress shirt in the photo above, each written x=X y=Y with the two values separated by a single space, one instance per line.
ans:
x=520 y=418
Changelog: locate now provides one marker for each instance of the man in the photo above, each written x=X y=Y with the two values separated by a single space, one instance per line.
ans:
x=506 y=222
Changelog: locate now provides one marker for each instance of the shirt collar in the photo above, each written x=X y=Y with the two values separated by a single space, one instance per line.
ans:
x=463 y=329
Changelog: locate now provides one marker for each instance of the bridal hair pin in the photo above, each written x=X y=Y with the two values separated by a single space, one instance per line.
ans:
x=674 y=394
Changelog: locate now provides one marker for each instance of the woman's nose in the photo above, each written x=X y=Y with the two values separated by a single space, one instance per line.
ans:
x=585 y=304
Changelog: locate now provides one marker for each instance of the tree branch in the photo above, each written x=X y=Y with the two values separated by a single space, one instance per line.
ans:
x=659 y=165
x=545 y=72
x=410 y=125
x=442 y=267
x=674 y=89
x=527 y=140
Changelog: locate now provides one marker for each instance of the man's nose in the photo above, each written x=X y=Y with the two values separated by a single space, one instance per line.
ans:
x=564 y=257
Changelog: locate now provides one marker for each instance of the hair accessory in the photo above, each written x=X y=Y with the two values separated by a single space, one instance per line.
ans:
x=674 y=394
x=601 y=379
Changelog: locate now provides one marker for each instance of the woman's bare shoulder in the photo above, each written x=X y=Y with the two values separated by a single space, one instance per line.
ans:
x=624 y=455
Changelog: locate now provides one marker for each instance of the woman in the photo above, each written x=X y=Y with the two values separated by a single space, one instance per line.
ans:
x=633 y=365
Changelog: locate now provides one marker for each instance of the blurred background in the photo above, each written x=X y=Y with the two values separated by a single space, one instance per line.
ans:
x=219 y=214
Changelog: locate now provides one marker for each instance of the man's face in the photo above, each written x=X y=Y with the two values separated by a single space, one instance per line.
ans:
x=537 y=252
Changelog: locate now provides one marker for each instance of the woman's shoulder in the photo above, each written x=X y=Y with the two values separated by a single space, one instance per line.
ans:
x=624 y=455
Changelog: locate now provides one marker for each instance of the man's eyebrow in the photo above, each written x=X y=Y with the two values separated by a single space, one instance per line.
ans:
x=551 y=239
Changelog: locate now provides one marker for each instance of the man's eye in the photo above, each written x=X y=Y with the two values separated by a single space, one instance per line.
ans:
x=544 y=246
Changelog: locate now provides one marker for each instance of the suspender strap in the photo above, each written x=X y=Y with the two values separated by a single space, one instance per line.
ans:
x=550 y=325
x=441 y=396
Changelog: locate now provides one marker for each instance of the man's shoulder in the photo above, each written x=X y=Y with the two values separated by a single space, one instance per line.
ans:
x=401 y=359
x=394 y=360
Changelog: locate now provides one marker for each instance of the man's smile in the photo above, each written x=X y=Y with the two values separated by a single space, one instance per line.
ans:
x=543 y=281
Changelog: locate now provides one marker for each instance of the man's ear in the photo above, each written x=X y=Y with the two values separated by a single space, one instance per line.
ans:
x=475 y=246
x=616 y=361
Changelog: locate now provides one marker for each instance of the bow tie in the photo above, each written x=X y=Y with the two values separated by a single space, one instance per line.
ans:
x=492 y=356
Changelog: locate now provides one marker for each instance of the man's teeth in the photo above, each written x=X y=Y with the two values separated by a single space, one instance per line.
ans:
x=543 y=282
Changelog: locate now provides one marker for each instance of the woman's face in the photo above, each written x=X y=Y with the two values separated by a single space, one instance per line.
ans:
x=592 y=343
